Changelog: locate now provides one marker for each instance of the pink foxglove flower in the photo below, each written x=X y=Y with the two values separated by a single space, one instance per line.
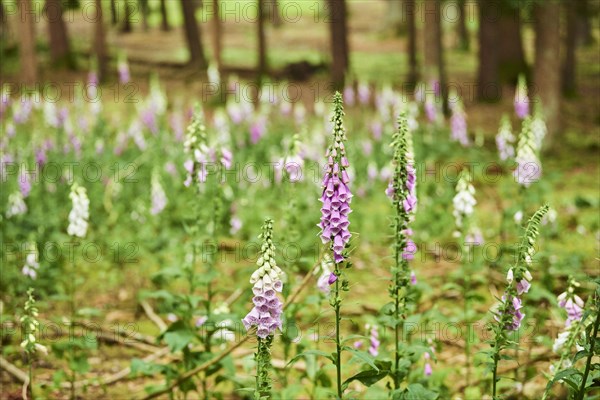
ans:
x=267 y=310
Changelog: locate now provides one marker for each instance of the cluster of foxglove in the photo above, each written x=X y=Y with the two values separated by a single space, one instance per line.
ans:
x=458 y=123
x=336 y=196
x=519 y=277
x=159 y=197
x=266 y=313
x=521 y=101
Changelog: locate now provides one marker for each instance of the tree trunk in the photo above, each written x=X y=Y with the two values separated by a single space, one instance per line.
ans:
x=100 y=49
x=339 y=42
x=57 y=30
x=4 y=28
x=547 y=61
x=262 y=41
x=569 y=66
x=463 y=34
x=217 y=34
x=487 y=74
x=29 y=69
x=272 y=12
x=584 y=27
x=127 y=20
x=413 y=67
x=394 y=16
x=144 y=10
x=193 y=35
x=164 y=18
x=511 y=57
x=434 y=67
x=113 y=12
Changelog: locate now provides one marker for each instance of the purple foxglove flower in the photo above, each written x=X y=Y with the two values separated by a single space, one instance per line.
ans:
x=123 y=69
x=374 y=342
x=427 y=370
x=357 y=344
x=409 y=250
x=521 y=101
x=514 y=309
x=24 y=184
x=505 y=140
x=364 y=93
x=458 y=126
x=267 y=310
x=523 y=286
x=226 y=157
x=332 y=278
x=413 y=278
x=349 y=95
x=201 y=321
x=430 y=110
x=376 y=129
x=236 y=224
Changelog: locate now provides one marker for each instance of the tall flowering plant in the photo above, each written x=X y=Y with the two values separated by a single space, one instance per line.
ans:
x=509 y=314
x=336 y=198
x=464 y=207
x=402 y=192
x=267 y=310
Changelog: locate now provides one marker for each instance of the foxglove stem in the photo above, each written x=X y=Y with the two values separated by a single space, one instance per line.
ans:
x=591 y=343
x=509 y=316
x=263 y=366
x=337 y=302
x=401 y=191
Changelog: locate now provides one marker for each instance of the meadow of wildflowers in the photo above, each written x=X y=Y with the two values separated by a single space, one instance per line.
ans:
x=402 y=255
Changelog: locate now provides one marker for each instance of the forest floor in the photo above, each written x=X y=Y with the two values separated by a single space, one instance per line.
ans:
x=377 y=57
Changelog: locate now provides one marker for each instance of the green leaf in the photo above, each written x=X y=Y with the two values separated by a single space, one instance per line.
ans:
x=318 y=353
x=368 y=377
x=178 y=340
x=415 y=391
x=364 y=356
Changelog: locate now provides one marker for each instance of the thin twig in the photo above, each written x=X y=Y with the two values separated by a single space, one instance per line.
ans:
x=153 y=316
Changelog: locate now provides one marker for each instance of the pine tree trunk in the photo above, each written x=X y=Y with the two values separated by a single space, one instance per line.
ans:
x=584 y=26
x=193 y=34
x=272 y=12
x=487 y=74
x=413 y=67
x=113 y=12
x=511 y=57
x=144 y=10
x=464 y=42
x=57 y=30
x=434 y=67
x=4 y=28
x=127 y=20
x=29 y=68
x=547 y=61
x=217 y=34
x=164 y=17
x=339 y=42
x=569 y=70
x=262 y=41
x=100 y=49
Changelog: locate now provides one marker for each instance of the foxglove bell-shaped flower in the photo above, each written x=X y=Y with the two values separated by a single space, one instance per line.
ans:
x=464 y=200
x=521 y=101
x=336 y=196
x=505 y=140
x=80 y=214
x=267 y=310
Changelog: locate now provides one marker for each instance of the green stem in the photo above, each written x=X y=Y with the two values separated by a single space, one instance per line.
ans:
x=592 y=342
x=31 y=378
x=495 y=375
x=338 y=345
x=72 y=328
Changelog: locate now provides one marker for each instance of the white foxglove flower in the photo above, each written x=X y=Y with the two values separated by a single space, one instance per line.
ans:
x=80 y=214
x=16 y=205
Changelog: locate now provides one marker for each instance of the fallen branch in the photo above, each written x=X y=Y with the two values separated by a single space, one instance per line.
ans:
x=124 y=373
x=13 y=370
